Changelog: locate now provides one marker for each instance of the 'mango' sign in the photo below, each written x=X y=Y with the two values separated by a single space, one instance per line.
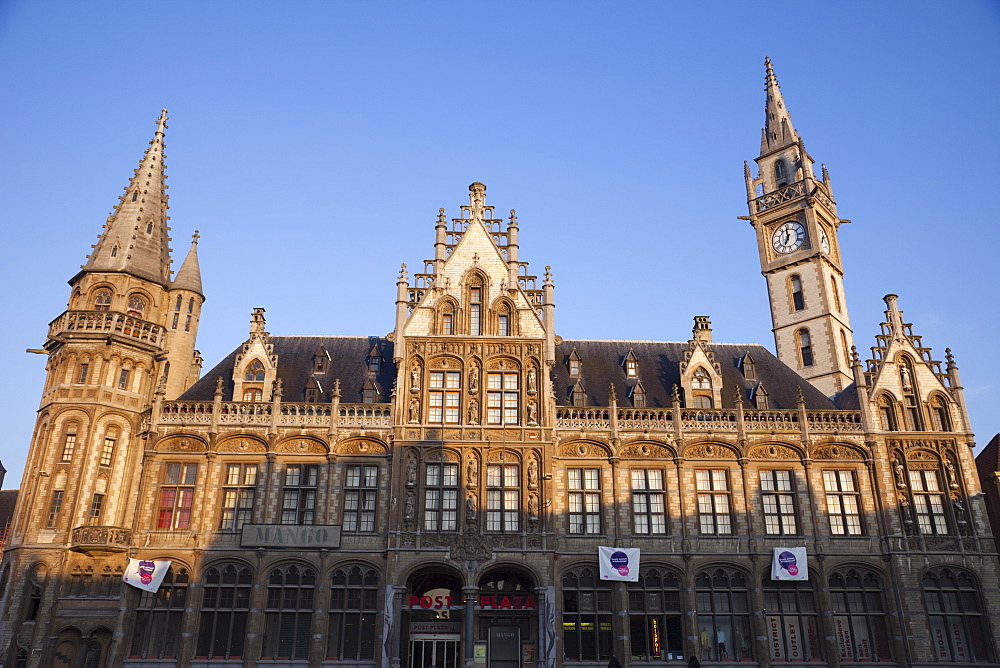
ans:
x=290 y=535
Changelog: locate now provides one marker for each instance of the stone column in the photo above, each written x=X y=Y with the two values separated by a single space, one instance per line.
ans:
x=469 y=626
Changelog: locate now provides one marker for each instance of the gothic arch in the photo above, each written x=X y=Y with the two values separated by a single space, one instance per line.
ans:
x=302 y=445
x=360 y=560
x=776 y=450
x=584 y=449
x=181 y=443
x=645 y=448
x=362 y=447
x=710 y=450
x=242 y=443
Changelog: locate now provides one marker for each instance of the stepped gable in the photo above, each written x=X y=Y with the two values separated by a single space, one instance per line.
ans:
x=658 y=370
x=348 y=362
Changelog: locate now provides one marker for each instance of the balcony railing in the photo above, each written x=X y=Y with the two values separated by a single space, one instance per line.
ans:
x=95 y=539
x=104 y=323
x=706 y=419
x=291 y=414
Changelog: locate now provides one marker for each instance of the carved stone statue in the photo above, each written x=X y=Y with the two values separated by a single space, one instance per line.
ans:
x=533 y=506
x=473 y=412
x=532 y=473
x=897 y=469
x=532 y=381
x=472 y=472
x=411 y=471
x=415 y=379
x=473 y=380
x=949 y=469
x=532 y=412
x=414 y=410
x=409 y=510
x=904 y=376
x=471 y=507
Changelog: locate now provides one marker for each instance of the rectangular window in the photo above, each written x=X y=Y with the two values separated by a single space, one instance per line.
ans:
x=584 y=501
x=574 y=367
x=842 y=503
x=445 y=396
x=123 y=379
x=298 y=498
x=631 y=368
x=928 y=502
x=502 y=398
x=779 y=503
x=503 y=325
x=475 y=311
x=649 y=502
x=441 y=497
x=503 y=497
x=69 y=446
x=177 y=496
x=187 y=324
x=447 y=326
x=714 y=517
x=96 y=508
x=238 y=496
x=360 y=496
x=107 y=452
x=84 y=368
x=176 y=318
x=55 y=507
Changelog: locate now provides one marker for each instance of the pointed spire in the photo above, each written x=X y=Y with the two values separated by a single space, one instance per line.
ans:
x=778 y=131
x=189 y=276
x=135 y=237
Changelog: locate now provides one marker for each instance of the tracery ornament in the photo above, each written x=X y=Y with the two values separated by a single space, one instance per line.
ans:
x=836 y=452
x=181 y=445
x=710 y=451
x=646 y=450
x=500 y=454
x=471 y=549
x=241 y=446
x=301 y=446
x=588 y=450
x=441 y=455
x=773 y=451
x=930 y=443
x=361 y=447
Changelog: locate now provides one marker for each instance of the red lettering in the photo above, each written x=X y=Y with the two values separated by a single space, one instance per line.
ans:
x=517 y=602
x=448 y=600
x=426 y=602
x=529 y=602
x=505 y=602
x=414 y=600
x=486 y=601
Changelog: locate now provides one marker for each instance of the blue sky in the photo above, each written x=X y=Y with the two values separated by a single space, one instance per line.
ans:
x=312 y=145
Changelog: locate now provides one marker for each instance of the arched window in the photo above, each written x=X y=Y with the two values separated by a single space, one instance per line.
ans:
x=700 y=380
x=476 y=307
x=255 y=372
x=224 y=612
x=177 y=306
x=805 y=347
x=886 y=413
x=158 y=617
x=253 y=394
x=354 y=613
x=191 y=305
x=102 y=300
x=798 y=298
x=780 y=172
x=723 y=601
x=791 y=621
x=503 y=324
x=136 y=305
x=655 y=615
x=859 y=615
x=955 y=613
x=702 y=402
x=836 y=292
x=940 y=414
x=21 y=661
x=846 y=348
x=289 y=611
x=587 y=616
x=912 y=418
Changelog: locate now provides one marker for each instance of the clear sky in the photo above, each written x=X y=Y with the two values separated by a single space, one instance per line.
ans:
x=312 y=143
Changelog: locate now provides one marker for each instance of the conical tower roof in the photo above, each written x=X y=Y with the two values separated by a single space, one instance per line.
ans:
x=189 y=276
x=135 y=237
x=778 y=130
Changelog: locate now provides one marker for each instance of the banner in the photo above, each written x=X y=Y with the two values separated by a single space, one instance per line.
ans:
x=619 y=563
x=789 y=563
x=146 y=575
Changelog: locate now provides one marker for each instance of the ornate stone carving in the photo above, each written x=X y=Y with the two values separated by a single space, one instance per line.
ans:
x=361 y=448
x=710 y=451
x=471 y=549
x=440 y=455
x=835 y=452
x=241 y=446
x=181 y=445
x=411 y=468
x=646 y=451
x=589 y=450
x=301 y=446
x=773 y=452
x=532 y=471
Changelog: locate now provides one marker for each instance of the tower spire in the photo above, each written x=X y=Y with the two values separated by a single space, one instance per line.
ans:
x=189 y=275
x=135 y=237
x=778 y=131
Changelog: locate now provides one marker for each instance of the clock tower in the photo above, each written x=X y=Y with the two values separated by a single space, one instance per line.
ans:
x=796 y=221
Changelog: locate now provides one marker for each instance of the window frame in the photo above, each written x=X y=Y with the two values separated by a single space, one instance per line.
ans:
x=239 y=491
x=649 y=504
x=778 y=502
x=583 y=501
x=843 y=511
x=299 y=494
x=713 y=518
x=503 y=498
x=225 y=611
x=441 y=496
x=361 y=482
x=721 y=603
x=179 y=490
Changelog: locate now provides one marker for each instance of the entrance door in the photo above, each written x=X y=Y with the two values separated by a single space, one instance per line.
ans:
x=505 y=647
x=434 y=650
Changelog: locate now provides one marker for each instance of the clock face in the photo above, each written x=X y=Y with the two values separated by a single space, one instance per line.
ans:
x=824 y=242
x=788 y=237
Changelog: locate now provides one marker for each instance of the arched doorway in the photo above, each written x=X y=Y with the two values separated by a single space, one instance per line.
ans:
x=507 y=613
x=433 y=611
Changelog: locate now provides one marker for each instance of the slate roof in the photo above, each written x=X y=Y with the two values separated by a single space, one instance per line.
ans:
x=348 y=362
x=659 y=370
x=988 y=461
x=602 y=365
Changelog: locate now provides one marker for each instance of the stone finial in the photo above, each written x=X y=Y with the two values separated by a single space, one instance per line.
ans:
x=548 y=275
x=257 y=322
x=737 y=395
x=676 y=393
x=161 y=122
x=855 y=358
x=702 y=329
x=219 y=384
x=513 y=218
x=612 y=395
x=336 y=388
x=477 y=200
x=799 y=397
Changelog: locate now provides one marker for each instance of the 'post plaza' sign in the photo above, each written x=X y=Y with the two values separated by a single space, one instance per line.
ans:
x=291 y=535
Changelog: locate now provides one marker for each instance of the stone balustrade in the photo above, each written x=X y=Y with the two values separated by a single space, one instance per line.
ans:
x=105 y=323
x=259 y=413
x=100 y=539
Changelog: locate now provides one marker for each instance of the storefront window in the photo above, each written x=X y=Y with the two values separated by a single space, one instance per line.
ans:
x=654 y=605
x=723 y=615
x=790 y=621
x=859 y=615
x=587 y=616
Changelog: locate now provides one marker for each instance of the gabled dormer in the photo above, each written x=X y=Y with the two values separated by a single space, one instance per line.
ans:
x=320 y=360
x=701 y=375
x=313 y=391
x=747 y=366
x=630 y=363
x=371 y=392
x=256 y=367
x=907 y=389
x=758 y=397
x=637 y=393
x=574 y=363
x=374 y=360
x=578 y=394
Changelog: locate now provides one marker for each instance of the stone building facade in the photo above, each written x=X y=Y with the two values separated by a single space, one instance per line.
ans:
x=437 y=496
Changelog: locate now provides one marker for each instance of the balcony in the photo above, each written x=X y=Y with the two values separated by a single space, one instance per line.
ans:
x=96 y=540
x=289 y=414
x=106 y=324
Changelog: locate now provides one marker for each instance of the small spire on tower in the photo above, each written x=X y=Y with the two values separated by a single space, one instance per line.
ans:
x=778 y=131
x=189 y=276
